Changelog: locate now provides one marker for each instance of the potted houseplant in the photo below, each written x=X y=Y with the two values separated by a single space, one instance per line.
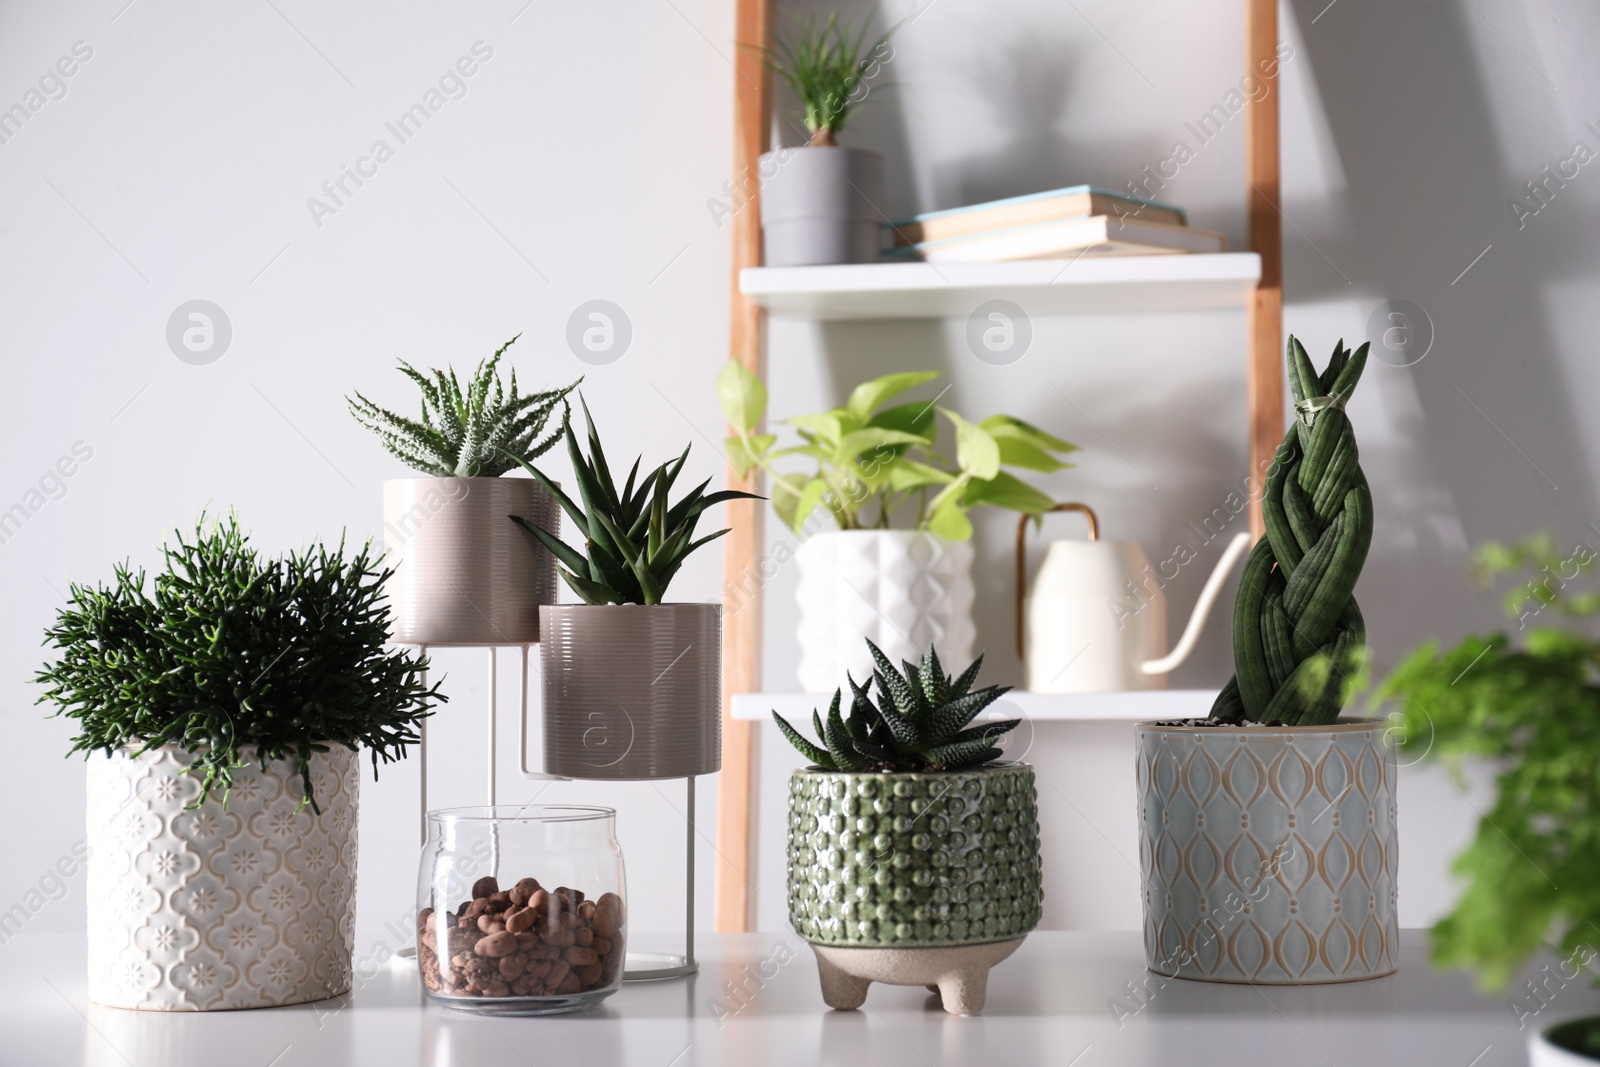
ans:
x=819 y=203
x=913 y=850
x=871 y=465
x=1268 y=845
x=1531 y=708
x=461 y=574
x=222 y=710
x=632 y=685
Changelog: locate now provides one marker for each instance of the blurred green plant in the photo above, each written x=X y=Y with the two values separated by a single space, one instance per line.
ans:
x=1531 y=709
x=827 y=64
x=872 y=460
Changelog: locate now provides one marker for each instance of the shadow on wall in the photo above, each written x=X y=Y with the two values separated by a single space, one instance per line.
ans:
x=1025 y=81
x=1405 y=94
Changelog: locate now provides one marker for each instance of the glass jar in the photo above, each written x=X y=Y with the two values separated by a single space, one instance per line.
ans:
x=520 y=908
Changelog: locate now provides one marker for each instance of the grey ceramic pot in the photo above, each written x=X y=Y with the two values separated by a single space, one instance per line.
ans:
x=1268 y=853
x=632 y=691
x=914 y=860
x=464 y=573
x=820 y=205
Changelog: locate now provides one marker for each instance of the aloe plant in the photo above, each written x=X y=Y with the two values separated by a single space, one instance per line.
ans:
x=1299 y=642
x=921 y=721
x=474 y=432
x=635 y=539
x=873 y=461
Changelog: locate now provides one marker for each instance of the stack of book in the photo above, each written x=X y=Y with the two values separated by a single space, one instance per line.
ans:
x=1082 y=220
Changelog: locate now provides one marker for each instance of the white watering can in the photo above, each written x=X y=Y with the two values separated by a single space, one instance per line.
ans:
x=1096 y=617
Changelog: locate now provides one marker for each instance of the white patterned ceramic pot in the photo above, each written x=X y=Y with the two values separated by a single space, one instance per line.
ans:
x=1268 y=854
x=904 y=589
x=464 y=573
x=1569 y=1044
x=251 y=905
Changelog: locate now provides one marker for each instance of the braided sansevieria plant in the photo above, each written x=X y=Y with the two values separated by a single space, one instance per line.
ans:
x=1299 y=642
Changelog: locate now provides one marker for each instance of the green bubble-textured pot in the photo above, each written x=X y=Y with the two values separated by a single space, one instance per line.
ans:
x=914 y=860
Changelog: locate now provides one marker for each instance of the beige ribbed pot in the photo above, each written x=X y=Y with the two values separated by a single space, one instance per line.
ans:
x=464 y=573
x=632 y=691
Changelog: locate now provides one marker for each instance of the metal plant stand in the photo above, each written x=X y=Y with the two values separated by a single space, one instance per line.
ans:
x=640 y=966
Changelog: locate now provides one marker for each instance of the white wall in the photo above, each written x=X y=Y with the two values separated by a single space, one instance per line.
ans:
x=579 y=165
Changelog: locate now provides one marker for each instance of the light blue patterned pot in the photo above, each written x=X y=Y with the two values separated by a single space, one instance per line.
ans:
x=1268 y=853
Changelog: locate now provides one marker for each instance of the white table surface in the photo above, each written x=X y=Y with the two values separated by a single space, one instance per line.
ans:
x=1048 y=1004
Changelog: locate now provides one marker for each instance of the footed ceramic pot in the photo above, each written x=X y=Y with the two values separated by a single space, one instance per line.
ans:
x=248 y=905
x=913 y=879
x=903 y=589
x=1268 y=854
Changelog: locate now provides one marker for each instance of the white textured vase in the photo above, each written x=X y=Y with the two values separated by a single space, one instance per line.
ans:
x=248 y=906
x=904 y=589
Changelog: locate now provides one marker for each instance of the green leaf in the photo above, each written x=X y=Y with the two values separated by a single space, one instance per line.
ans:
x=868 y=396
x=1007 y=427
x=1006 y=491
x=827 y=427
x=916 y=418
x=949 y=519
x=810 y=497
x=908 y=474
x=742 y=395
x=744 y=453
x=875 y=443
x=590 y=592
x=787 y=492
x=977 y=452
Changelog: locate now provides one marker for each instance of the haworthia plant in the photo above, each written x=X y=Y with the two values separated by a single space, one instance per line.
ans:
x=921 y=721
x=1299 y=642
x=479 y=431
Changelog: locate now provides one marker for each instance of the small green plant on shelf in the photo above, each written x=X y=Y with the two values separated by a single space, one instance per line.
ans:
x=828 y=65
x=636 y=539
x=479 y=431
x=921 y=721
x=228 y=651
x=871 y=462
x=1531 y=709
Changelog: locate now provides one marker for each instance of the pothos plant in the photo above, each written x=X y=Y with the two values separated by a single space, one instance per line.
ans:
x=1529 y=704
x=869 y=462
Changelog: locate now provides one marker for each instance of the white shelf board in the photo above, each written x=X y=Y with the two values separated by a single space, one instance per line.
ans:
x=1038 y=286
x=1128 y=706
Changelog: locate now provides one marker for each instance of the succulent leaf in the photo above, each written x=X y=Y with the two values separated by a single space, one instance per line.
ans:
x=911 y=732
x=635 y=541
x=478 y=433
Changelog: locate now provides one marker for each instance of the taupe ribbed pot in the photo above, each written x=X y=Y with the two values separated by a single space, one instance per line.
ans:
x=464 y=573
x=632 y=691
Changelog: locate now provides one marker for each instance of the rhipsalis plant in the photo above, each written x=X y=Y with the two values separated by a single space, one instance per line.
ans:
x=1527 y=706
x=828 y=65
x=229 y=650
x=635 y=540
x=873 y=463
x=1299 y=643
x=476 y=432
x=921 y=721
